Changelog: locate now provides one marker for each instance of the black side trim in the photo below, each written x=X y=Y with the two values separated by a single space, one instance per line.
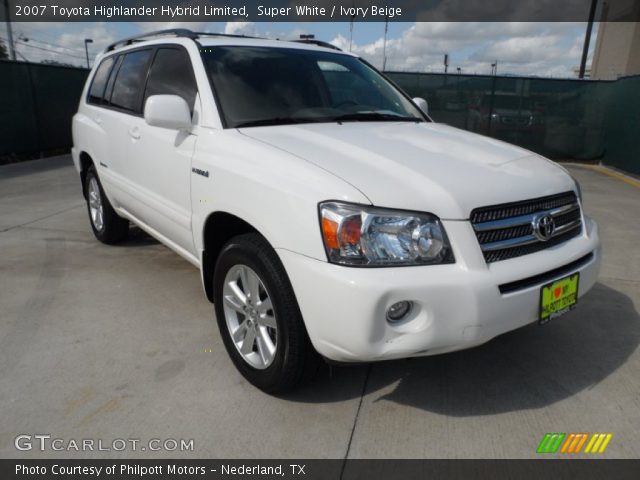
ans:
x=546 y=277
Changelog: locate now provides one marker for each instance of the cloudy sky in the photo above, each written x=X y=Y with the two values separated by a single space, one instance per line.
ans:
x=542 y=49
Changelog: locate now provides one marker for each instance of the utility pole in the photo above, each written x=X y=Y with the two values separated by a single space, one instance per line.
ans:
x=446 y=62
x=587 y=39
x=87 y=41
x=351 y=32
x=384 y=44
x=12 y=51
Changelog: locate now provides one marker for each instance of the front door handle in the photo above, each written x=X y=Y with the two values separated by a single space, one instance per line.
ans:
x=134 y=132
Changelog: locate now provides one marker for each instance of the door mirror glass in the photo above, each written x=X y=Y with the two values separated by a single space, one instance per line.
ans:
x=422 y=104
x=167 y=111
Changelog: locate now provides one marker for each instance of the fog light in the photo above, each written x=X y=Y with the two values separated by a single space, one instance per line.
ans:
x=398 y=311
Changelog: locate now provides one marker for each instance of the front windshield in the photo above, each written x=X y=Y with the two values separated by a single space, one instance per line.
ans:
x=270 y=86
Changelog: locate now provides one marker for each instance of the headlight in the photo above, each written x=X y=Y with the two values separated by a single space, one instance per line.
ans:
x=369 y=236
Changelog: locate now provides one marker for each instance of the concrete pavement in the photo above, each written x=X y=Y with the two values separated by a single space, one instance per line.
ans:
x=119 y=342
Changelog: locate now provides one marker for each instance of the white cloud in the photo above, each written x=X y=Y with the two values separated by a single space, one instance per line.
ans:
x=154 y=26
x=250 y=29
x=524 y=50
x=542 y=49
x=241 y=28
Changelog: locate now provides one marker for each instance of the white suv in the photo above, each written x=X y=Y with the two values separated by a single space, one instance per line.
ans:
x=326 y=211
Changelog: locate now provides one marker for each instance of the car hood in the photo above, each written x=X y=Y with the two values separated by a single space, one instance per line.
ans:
x=427 y=167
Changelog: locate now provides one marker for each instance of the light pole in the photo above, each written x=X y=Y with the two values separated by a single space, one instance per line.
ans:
x=87 y=41
x=587 y=39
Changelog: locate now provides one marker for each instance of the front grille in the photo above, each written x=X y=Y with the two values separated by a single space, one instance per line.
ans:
x=506 y=231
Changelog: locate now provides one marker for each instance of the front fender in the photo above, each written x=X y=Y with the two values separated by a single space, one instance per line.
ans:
x=272 y=190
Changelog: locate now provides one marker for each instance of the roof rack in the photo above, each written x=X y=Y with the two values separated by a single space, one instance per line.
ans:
x=178 y=32
x=232 y=35
x=319 y=43
x=186 y=33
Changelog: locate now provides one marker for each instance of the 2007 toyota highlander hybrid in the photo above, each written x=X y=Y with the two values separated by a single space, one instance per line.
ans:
x=327 y=212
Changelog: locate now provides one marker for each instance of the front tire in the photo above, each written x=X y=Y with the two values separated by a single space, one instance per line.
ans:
x=107 y=226
x=258 y=316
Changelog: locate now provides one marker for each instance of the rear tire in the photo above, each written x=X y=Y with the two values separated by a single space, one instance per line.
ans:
x=259 y=318
x=107 y=226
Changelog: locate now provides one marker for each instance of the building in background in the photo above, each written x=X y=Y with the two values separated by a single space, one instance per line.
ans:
x=617 y=52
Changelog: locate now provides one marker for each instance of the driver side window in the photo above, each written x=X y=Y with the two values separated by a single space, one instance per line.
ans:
x=172 y=74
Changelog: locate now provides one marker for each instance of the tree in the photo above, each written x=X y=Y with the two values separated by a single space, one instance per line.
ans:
x=55 y=62
x=3 y=50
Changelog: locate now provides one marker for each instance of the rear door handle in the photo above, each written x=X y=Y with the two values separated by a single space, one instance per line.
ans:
x=98 y=120
x=134 y=132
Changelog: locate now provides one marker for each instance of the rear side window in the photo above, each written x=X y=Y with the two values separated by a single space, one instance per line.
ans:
x=129 y=83
x=99 y=82
x=112 y=79
x=171 y=74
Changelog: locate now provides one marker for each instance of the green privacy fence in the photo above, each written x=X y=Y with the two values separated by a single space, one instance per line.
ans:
x=562 y=119
x=36 y=105
x=622 y=132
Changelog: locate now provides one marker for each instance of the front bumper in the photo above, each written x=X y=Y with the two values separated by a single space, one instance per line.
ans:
x=455 y=306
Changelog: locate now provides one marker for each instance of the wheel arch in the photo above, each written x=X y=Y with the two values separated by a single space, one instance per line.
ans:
x=219 y=228
x=85 y=161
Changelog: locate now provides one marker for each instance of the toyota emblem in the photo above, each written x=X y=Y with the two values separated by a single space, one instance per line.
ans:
x=543 y=226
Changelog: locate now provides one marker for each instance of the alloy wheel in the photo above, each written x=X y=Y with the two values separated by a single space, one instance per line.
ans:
x=250 y=317
x=96 y=208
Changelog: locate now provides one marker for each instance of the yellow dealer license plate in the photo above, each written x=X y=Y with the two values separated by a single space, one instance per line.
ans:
x=558 y=297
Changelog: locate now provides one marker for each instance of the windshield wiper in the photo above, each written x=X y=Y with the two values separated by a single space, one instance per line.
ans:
x=374 y=117
x=347 y=117
x=275 y=121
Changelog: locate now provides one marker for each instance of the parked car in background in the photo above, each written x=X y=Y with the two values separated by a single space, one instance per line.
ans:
x=507 y=116
x=328 y=214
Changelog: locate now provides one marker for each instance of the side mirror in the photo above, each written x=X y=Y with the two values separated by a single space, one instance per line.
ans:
x=422 y=104
x=167 y=111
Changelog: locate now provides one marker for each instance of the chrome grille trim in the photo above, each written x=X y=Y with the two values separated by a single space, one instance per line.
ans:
x=527 y=239
x=506 y=231
x=496 y=212
x=522 y=219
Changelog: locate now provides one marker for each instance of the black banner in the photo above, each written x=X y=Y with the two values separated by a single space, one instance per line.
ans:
x=319 y=10
x=320 y=469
